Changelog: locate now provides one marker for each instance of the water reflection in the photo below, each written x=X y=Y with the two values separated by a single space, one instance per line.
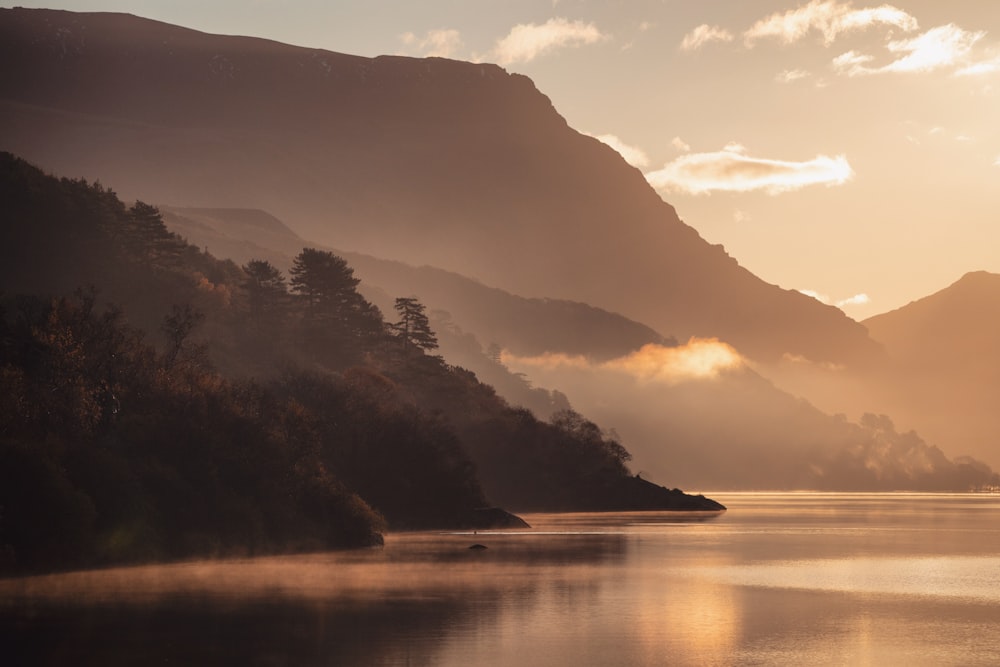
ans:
x=395 y=605
x=780 y=578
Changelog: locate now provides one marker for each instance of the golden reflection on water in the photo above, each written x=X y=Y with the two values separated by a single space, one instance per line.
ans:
x=682 y=616
x=779 y=579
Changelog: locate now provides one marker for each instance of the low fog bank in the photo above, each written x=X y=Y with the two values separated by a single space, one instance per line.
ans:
x=698 y=416
x=953 y=406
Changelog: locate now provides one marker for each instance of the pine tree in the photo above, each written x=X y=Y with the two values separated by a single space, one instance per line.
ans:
x=147 y=239
x=325 y=282
x=266 y=291
x=336 y=313
x=413 y=328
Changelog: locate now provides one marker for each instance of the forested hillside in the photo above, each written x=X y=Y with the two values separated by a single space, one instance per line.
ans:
x=159 y=403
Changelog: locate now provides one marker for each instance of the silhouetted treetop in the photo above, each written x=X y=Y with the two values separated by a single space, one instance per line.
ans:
x=266 y=290
x=413 y=327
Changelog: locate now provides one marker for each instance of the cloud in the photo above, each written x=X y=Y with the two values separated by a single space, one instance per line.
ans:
x=436 y=43
x=704 y=34
x=822 y=298
x=996 y=162
x=527 y=41
x=790 y=75
x=732 y=170
x=634 y=156
x=856 y=300
x=680 y=144
x=989 y=66
x=852 y=63
x=943 y=46
x=741 y=216
x=938 y=47
x=699 y=359
x=829 y=18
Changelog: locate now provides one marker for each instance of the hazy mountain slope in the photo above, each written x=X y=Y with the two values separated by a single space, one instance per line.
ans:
x=730 y=430
x=735 y=430
x=455 y=165
x=239 y=234
x=945 y=364
x=956 y=329
x=522 y=325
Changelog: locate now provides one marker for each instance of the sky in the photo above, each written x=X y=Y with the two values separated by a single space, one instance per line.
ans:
x=848 y=150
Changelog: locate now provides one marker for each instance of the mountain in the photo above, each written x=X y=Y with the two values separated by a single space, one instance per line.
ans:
x=177 y=406
x=524 y=326
x=954 y=330
x=944 y=364
x=732 y=430
x=460 y=166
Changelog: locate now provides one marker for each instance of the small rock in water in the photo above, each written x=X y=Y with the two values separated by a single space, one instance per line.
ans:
x=478 y=547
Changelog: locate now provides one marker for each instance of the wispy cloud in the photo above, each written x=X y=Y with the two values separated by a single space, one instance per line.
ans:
x=441 y=43
x=938 y=47
x=732 y=170
x=856 y=300
x=680 y=144
x=527 y=41
x=944 y=46
x=996 y=162
x=704 y=34
x=861 y=299
x=987 y=66
x=828 y=18
x=790 y=75
x=633 y=155
x=699 y=359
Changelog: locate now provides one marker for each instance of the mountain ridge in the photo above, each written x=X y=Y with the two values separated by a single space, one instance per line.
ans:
x=522 y=325
x=944 y=369
x=430 y=161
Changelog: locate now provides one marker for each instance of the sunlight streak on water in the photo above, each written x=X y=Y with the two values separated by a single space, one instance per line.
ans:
x=970 y=578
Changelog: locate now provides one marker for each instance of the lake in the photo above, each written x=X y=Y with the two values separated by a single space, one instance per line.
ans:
x=782 y=578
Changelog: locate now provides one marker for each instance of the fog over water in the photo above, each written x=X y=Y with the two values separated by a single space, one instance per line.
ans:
x=778 y=578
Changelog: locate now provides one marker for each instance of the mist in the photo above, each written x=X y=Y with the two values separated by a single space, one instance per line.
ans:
x=699 y=416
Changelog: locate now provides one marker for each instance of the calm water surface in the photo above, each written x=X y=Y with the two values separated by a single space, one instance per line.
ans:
x=789 y=579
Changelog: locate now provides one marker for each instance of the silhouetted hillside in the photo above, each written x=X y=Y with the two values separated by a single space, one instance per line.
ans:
x=428 y=161
x=115 y=449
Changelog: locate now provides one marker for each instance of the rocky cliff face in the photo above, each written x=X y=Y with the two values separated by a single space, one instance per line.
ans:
x=456 y=165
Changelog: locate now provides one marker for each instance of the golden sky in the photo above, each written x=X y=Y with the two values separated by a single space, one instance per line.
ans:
x=847 y=150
